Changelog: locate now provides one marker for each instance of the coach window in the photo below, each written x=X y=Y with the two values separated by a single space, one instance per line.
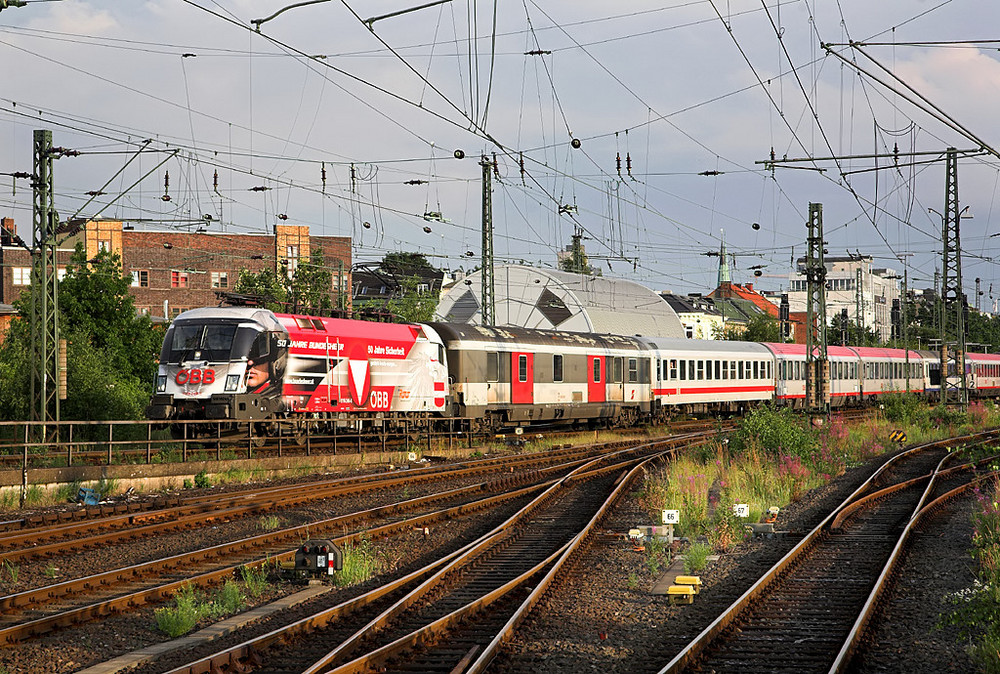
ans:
x=719 y=366
x=725 y=369
x=660 y=369
x=701 y=370
x=684 y=370
x=557 y=367
x=633 y=370
x=597 y=370
x=673 y=368
x=732 y=369
x=522 y=368
x=492 y=366
x=619 y=367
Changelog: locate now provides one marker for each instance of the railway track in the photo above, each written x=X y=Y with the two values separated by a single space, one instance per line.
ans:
x=808 y=613
x=468 y=602
x=52 y=606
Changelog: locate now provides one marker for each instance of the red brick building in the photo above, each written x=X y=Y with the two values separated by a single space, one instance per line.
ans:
x=174 y=271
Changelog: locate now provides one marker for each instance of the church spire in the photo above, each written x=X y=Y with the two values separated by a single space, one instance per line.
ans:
x=723 y=263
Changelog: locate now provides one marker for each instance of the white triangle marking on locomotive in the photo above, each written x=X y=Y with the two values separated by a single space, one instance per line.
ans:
x=359 y=374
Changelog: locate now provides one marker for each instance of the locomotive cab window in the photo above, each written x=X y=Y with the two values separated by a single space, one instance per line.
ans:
x=492 y=366
x=522 y=368
x=557 y=367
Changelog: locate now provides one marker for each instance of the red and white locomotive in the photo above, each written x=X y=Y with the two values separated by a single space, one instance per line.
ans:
x=251 y=365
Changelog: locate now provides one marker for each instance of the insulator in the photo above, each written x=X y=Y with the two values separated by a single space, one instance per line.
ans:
x=215 y=180
x=166 y=185
x=618 y=163
x=628 y=163
x=427 y=229
x=322 y=174
x=496 y=167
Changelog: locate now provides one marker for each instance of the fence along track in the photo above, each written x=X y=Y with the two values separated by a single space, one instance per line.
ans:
x=805 y=580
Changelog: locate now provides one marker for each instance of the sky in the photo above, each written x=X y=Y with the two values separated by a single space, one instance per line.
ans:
x=327 y=118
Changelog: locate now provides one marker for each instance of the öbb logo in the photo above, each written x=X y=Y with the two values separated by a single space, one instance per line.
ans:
x=194 y=376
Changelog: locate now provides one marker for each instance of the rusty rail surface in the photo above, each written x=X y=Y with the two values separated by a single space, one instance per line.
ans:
x=698 y=647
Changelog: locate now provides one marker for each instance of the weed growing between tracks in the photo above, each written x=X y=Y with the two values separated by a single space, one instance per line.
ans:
x=774 y=457
x=192 y=605
x=361 y=562
x=977 y=609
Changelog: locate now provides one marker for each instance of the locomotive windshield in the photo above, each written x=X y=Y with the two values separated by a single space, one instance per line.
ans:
x=217 y=341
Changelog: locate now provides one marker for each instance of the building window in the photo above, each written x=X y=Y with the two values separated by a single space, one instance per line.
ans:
x=140 y=278
x=104 y=245
x=292 y=255
x=142 y=311
x=557 y=367
x=423 y=288
x=220 y=279
x=178 y=279
x=22 y=276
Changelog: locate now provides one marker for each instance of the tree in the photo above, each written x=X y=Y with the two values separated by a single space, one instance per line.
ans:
x=308 y=290
x=110 y=351
x=761 y=327
x=406 y=264
x=411 y=304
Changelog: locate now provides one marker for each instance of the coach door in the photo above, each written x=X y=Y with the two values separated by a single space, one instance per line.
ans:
x=595 y=379
x=616 y=378
x=522 y=378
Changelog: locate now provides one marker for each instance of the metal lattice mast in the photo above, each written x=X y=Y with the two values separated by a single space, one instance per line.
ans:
x=44 y=289
x=859 y=299
x=954 y=384
x=817 y=368
x=488 y=308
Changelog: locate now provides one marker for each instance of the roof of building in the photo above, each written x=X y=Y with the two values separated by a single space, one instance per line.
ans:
x=530 y=297
x=745 y=292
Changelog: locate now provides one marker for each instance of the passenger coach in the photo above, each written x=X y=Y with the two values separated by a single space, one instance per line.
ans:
x=517 y=375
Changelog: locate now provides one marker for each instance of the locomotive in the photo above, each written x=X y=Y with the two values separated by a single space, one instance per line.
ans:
x=253 y=366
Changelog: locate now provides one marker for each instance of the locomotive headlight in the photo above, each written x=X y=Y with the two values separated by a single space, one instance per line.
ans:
x=232 y=381
x=161 y=383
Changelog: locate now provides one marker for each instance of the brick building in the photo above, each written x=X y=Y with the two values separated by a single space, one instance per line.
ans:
x=175 y=271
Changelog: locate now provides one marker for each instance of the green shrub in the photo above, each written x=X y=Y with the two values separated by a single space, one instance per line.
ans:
x=360 y=564
x=254 y=579
x=179 y=619
x=903 y=408
x=228 y=600
x=776 y=431
x=201 y=480
x=696 y=557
